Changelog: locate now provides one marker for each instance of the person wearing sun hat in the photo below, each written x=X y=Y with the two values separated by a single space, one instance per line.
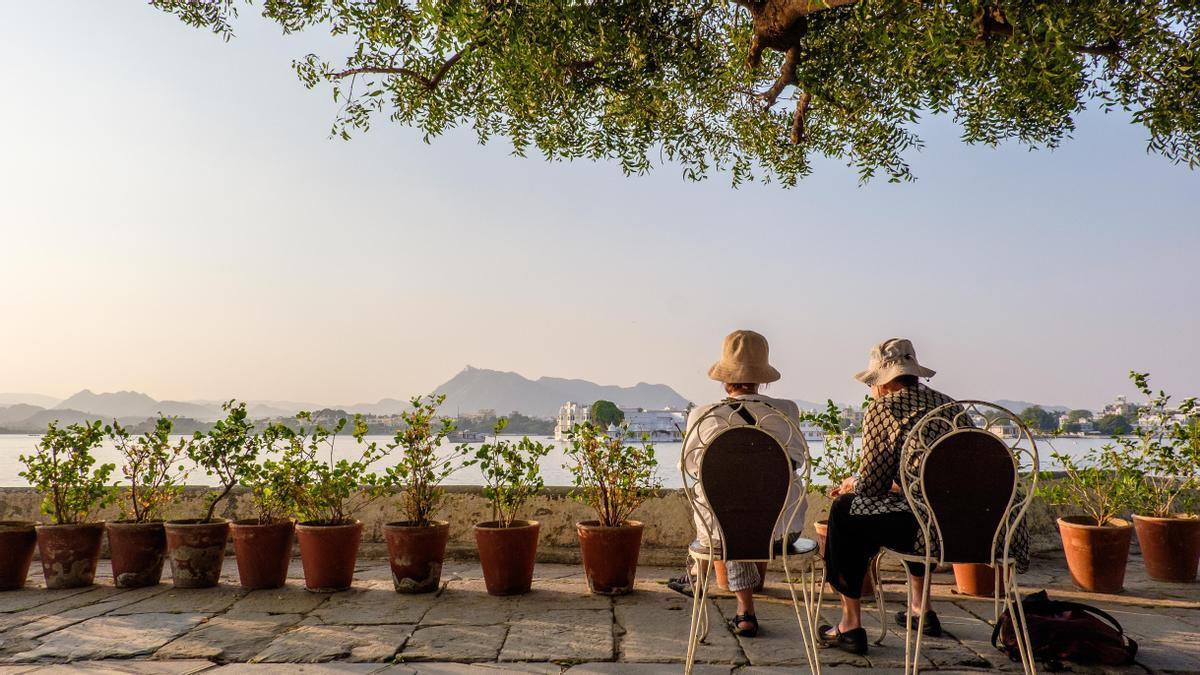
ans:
x=868 y=511
x=743 y=368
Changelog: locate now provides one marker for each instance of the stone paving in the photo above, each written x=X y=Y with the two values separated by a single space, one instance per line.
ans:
x=559 y=627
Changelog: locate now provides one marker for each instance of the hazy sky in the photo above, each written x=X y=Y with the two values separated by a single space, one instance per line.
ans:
x=176 y=220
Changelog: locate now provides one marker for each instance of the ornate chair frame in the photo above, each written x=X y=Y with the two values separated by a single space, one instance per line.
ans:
x=811 y=583
x=929 y=432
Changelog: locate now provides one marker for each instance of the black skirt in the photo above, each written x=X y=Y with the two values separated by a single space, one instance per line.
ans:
x=853 y=541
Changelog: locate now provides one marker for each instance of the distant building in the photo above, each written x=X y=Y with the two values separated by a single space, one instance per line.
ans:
x=661 y=426
x=569 y=415
x=1121 y=406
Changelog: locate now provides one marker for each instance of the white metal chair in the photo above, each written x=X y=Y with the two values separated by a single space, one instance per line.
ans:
x=740 y=484
x=969 y=484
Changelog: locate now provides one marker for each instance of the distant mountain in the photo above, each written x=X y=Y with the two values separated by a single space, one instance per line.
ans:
x=386 y=406
x=479 y=389
x=37 y=422
x=18 y=412
x=809 y=405
x=111 y=405
x=28 y=399
x=1020 y=406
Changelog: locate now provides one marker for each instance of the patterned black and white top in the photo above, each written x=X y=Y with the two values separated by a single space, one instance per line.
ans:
x=886 y=425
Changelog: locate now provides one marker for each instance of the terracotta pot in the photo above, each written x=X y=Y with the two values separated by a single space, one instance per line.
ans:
x=69 y=553
x=329 y=553
x=975 y=579
x=138 y=551
x=821 y=529
x=722 y=575
x=264 y=551
x=18 y=539
x=1096 y=556
x=415 y=554
x=1170 y=546
x=610 y=555
x=197 y=551
x=507 y=555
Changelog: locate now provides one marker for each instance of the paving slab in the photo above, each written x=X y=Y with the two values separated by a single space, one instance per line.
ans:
x=291 y=599
x=644 y=669
x=468 y=603
x=560 y=635
x=312 y=644
x=109 y=637
x=126 y=667
x=455 y=643
x=295 y=668
x=187 y=601
x=474 y=669
x=33 y=596
x=374 y=603
x=232 y=637
x=653 y=627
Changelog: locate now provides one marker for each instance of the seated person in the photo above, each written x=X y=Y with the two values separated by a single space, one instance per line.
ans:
x=742 y=369
x=868 y=511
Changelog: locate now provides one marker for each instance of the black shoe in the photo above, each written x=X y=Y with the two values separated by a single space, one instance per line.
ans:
x=853 y=641
x=681 y=584
x=739 y=619
x=933 y=627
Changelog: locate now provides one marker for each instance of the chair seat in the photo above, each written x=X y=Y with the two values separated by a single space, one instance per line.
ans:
x=800 y=546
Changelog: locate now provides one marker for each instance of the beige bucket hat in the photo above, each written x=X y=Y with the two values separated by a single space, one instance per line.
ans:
x=891 y=359
x=744 y=360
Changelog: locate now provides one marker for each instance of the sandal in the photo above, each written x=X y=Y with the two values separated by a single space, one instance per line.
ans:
x=740 y=619
x=682 y=584
x=853 y=641
x=933 y=627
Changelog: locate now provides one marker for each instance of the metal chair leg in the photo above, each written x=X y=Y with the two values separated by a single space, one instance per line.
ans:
x=1012 y=597
x=878 y=584
x=803 y=620
x=702 y=579
x=694 y=629
x=925 y=585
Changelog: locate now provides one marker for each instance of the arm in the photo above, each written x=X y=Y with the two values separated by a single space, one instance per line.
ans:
x=880 y=455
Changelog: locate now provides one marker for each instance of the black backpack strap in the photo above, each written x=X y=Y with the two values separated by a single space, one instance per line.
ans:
x=739 y=407
x=1066 y=604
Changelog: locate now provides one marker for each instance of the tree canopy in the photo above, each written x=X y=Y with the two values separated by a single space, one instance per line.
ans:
x=604 y=413
x=755 y=87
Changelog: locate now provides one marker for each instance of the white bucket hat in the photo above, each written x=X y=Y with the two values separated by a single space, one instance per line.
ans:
x=744 y=360
x=891 y=359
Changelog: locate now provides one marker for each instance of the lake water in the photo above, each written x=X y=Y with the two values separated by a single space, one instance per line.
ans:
x=553 y=470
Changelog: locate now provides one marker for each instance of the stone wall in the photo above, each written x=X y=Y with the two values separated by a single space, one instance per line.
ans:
x=666 y=516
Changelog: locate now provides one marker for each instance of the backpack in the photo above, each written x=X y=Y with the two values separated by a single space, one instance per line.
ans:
x=1066 y=631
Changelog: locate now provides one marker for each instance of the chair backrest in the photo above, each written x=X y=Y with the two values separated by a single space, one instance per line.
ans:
x=746 y=475
x=970 y=480
x=964 y=480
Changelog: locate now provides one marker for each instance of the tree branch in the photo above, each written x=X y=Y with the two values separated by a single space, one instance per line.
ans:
x=787 y=76
x=430 y=83
x=797 y=135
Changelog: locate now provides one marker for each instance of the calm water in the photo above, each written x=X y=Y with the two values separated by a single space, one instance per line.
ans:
x=12 y=446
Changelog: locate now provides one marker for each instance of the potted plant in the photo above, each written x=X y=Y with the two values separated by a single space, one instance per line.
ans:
x=18 y=539
x=64 y=471
x=1166 y=443
x=507 y=546
x=839 y=460
x=196 y=546
x=331 y=492
x=138 y=541
x=263 y=544
x=613 y=478
x=417 y=544
x=1104 y=484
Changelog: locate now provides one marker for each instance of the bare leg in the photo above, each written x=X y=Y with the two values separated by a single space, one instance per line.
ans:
x=745 y=604
x=918 y=603
x=851 y=615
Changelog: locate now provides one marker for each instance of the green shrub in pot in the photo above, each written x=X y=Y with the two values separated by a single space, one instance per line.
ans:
x=614 y=478
x=1166 y=445
x=511 y=473
x=417 y=544
x=63 y=470
x=154 y=477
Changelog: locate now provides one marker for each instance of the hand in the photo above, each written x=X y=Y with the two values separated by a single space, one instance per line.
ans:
x=846 y=487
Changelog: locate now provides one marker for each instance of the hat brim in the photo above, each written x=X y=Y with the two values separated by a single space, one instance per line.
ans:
x=872 y=377
x=742 y=374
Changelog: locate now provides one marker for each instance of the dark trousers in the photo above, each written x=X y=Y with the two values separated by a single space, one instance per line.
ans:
x=853 y=541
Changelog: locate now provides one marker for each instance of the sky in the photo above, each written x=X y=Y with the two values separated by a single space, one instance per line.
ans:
x=175 y=219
